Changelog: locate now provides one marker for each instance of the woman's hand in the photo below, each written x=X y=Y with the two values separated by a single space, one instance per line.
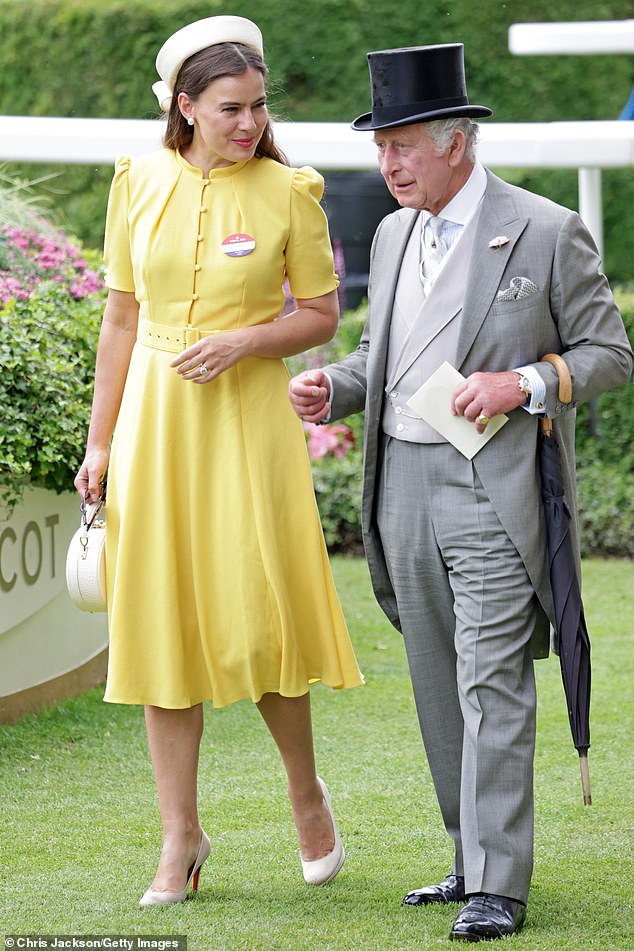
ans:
x=212 y=355
x=314 y=322
x=91 y=474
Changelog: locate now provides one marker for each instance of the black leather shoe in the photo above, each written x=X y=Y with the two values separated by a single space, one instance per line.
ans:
x=486 y=917
x=451 y=889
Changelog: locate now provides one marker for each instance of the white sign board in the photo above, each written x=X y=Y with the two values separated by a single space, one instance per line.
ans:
x=42 y=634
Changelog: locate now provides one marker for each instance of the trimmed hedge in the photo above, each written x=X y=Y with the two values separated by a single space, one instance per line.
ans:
x=605 y=463
x=47 y=363
x=51 y=300
x=89 y=58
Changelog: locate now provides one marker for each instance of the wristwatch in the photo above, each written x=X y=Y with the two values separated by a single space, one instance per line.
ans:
x=525 y=386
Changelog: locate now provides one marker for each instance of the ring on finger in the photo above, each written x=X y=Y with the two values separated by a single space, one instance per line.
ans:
x=202 y=370
x=483 y=420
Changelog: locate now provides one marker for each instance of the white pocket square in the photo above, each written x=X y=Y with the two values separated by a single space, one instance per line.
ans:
x=518 y=288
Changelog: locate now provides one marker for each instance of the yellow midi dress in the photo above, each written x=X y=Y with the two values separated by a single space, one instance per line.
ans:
x=219 y=586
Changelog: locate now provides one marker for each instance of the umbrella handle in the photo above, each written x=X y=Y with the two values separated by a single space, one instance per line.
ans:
x=585 y=779
x=563 y=374
x=565 y=387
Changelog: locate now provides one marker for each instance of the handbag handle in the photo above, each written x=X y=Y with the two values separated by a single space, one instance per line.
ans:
x=85 y=559
x=90 y=511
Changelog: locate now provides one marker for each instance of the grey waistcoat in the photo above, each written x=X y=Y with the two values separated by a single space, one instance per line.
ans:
x=423 y=332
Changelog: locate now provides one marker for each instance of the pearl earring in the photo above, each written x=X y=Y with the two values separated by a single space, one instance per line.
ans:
x=190 y=120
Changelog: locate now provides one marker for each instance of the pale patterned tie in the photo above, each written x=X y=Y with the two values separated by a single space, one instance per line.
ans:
x=433 y=250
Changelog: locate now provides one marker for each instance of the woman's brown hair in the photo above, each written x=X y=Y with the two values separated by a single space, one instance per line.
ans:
x=196 y=74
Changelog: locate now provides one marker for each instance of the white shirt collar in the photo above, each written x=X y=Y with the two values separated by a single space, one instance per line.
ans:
x=464 y=204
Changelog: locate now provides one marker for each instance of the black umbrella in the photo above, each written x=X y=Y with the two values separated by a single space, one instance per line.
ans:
x=570 y=624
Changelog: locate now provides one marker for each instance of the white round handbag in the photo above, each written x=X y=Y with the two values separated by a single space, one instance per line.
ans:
x=86 y=560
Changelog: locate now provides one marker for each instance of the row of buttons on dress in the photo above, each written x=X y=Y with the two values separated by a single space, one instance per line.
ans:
x=199 y=239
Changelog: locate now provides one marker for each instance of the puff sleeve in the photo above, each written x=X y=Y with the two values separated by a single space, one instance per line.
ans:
x=309 y=258
x=117 y=251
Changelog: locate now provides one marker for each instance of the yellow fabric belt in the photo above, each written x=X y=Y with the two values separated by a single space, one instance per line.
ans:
x=164 y=337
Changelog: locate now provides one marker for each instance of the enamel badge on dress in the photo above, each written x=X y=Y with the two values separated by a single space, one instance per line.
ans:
x=237 y=245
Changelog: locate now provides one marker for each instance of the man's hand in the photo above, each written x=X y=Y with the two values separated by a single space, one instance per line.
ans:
x=309 y=394
x=485 y=395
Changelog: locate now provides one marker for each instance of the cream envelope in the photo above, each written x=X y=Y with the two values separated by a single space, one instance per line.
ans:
x=433 y=403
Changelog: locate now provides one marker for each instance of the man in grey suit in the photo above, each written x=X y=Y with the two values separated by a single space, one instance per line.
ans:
x=490 y=278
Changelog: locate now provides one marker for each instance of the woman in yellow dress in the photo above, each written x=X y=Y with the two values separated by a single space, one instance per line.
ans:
x=219 y=586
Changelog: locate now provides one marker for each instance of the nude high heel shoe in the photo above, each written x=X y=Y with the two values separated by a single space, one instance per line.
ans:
x=323 y=870
x=153 y=897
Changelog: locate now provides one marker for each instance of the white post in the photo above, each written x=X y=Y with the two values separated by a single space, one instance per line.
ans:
x=591 y=203
x=591 y=210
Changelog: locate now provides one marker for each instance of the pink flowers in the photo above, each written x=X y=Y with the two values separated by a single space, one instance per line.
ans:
x=28 y=257
x=336 y=440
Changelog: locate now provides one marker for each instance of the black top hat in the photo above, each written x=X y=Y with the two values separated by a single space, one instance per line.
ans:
x=417 y=84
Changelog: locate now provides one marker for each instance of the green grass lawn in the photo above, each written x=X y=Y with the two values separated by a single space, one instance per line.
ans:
x=79 y=830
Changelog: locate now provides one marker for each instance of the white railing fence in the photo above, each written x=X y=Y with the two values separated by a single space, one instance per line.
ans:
x=586 y=146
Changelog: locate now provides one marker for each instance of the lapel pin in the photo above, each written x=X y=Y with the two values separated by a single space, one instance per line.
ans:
x=498 y=242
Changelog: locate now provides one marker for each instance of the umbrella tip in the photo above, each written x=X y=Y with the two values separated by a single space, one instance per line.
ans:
x=585 y=778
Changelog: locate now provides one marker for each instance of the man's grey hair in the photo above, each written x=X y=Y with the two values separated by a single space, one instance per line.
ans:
x=441 y=132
